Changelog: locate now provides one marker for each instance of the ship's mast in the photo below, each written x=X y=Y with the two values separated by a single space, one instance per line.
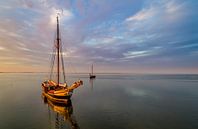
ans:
x=58 y=52
x=92 y=69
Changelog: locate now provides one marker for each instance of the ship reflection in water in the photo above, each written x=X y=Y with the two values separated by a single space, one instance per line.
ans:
x=91 y=83
x=61 y=115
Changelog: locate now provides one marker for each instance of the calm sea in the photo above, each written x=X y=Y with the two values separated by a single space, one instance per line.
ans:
x=108 y=102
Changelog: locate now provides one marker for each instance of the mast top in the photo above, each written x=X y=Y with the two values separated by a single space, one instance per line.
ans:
x=57 y=19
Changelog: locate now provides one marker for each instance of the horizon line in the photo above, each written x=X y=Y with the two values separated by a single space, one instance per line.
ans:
x=113 y=73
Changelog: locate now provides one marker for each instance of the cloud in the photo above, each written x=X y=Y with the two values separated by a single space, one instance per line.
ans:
x=126 y=33
x=156 y=13
x=135 y=54
x=2 y=48
x=174 y=7
x=142 y=15
x=14 y=35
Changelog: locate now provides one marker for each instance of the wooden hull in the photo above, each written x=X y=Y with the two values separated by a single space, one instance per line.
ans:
x=56 y=100
x=58 y=93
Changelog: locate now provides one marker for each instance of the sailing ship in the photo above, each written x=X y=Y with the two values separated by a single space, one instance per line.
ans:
x=55 y=90
x=91 y=75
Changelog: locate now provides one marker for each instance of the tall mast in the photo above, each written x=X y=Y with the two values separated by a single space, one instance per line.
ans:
x=92 y=69
x=58 y=52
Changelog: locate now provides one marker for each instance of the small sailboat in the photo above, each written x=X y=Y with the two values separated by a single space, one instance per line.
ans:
x=91 y=75
x=55 y=90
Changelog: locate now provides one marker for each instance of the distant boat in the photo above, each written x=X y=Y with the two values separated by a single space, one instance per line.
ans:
x=91 y=75
x=54 y=90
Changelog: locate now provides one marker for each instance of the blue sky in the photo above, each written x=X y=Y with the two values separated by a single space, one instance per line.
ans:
x=136 y=36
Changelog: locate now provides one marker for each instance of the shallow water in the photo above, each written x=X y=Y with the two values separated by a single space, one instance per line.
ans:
x=121 y=101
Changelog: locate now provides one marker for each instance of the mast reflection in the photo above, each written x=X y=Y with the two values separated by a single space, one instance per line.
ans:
x=63 y=114
x=91 y=82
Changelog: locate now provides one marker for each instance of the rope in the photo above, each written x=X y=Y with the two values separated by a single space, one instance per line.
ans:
x=63 y=65
x=63 y=68
x=52 y=60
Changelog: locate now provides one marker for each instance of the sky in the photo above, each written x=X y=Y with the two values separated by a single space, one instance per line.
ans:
x=117 y=36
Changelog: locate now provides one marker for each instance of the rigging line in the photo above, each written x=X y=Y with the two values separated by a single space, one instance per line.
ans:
x=61 y=52
x=52 y=66
x=70 y=66
x=63 y=68
x=52 y=60
x=64 y=48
